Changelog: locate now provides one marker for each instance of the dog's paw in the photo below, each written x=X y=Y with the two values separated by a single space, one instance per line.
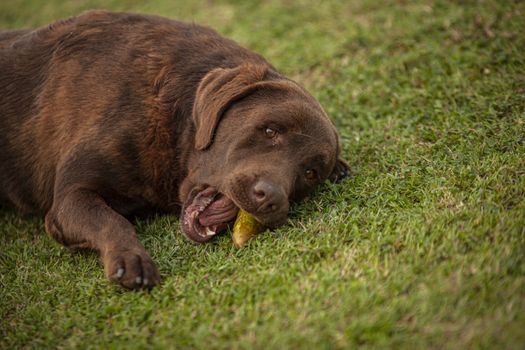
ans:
x=131 y=268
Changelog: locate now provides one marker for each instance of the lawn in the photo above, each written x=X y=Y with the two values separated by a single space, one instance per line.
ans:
x=423 y=247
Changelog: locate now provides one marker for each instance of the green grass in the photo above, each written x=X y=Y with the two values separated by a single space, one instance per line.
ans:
x=424 y=247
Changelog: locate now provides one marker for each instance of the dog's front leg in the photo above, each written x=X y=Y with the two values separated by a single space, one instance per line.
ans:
x=80 y=218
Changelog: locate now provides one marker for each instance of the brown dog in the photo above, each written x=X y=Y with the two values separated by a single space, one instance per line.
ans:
x=105 y=116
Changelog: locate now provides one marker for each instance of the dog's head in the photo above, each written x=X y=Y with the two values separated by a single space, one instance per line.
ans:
x=261 y=141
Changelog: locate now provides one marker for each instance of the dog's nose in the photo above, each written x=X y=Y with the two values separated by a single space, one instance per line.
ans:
x=266 y=196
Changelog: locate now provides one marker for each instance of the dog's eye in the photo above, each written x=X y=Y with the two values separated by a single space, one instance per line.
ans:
x=269 y=132
x=310 y=174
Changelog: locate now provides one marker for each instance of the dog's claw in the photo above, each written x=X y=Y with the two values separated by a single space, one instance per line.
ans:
x=120 y=273
x=131 y=269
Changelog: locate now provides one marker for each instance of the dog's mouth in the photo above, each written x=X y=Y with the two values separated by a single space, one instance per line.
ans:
x=206 y=213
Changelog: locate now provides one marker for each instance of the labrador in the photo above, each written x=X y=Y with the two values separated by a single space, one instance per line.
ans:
x=107 y=116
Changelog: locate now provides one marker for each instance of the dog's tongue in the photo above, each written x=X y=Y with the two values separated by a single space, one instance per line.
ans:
x=220 y=211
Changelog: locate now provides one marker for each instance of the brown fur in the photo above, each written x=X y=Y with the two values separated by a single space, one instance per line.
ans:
x=110 y=115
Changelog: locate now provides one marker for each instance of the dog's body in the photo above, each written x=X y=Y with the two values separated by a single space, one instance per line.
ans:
x=109 y=115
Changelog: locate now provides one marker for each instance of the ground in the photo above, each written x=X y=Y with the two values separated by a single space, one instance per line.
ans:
x=423 y=247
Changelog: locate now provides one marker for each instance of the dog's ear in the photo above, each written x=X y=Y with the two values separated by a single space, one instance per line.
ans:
x=216 y=92
x=341 y=168
x=340 y=172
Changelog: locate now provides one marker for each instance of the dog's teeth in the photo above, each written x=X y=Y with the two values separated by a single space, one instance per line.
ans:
x=209 y=232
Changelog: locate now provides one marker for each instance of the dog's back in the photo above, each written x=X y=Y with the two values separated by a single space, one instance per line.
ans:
x=23 y=60
x=37 y=95
x=7 y=37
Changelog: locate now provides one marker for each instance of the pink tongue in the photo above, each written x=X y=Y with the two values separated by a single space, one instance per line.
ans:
x=220 y=211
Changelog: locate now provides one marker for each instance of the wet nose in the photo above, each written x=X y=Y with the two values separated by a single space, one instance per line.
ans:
x=266 y=196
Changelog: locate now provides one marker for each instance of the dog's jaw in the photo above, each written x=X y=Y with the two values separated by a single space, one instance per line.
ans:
x=206 y=213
